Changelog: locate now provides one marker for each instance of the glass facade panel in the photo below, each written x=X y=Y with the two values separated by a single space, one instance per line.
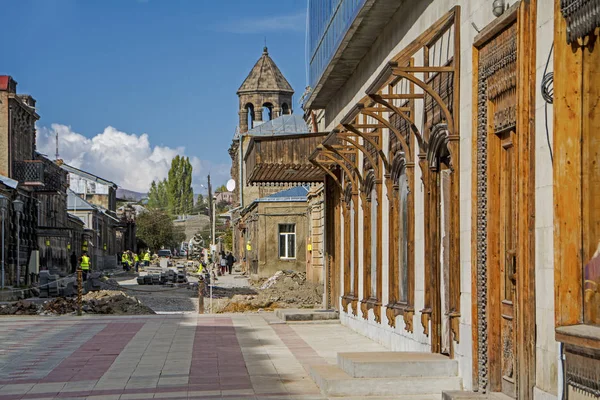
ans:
x=328 y=22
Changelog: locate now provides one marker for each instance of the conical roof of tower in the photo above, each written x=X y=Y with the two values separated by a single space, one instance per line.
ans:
x=265 y=76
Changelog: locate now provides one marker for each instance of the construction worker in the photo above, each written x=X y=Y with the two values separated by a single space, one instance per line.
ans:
x=147 y=258
x=125 y=260
x=84 y=264
x=136 y=262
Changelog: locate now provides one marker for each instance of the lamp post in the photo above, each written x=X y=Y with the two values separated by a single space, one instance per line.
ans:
x=18 y=208
x=3 y=208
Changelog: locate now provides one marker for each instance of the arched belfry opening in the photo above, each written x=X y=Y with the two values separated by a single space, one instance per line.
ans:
x=264 y=95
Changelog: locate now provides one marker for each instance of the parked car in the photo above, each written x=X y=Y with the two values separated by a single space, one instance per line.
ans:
x=166 y=253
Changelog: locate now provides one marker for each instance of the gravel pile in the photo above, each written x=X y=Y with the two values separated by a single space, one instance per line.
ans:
x=21 y=307
x=285 y=289
x=100 y=302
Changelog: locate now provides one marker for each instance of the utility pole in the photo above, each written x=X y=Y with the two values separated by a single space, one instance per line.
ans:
x=211 y=205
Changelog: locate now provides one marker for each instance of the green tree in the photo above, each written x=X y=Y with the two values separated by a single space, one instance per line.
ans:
x=157 y=195
x=180 y=192
x=221 y=189
x=155 y=228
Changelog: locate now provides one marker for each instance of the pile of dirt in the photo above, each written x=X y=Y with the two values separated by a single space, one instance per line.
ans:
x=21 y=307
x=285 y=289
x=99 y=302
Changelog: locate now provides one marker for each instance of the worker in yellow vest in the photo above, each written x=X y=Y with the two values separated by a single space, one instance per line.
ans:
x=125 y=260
x=136 y=262
x=85 y=265
x=147 y=258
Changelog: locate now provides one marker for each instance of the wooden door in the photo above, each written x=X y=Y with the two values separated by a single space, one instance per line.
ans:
x=508 y=261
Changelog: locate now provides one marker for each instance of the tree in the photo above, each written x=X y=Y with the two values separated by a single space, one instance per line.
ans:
x=180 y=192
x=155 y=227
x=157 y=195
x=221 y=189
x=201 y=207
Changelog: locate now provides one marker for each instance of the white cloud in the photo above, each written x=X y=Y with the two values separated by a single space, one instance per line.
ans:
x=129 y=160
x=277 y=23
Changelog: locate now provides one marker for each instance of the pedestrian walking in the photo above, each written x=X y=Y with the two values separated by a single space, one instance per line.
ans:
x=73 y=263
x=125 y=260
x=147 y=258
x=223 y=264
x=230 y=261
x=84 y=263
x=136 y=262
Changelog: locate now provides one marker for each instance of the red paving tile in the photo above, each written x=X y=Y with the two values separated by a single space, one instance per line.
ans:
x=94 y=357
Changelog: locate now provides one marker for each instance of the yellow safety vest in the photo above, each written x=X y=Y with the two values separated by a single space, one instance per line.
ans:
x=124 y=257
x=147 y=257
x=136 y=258
x=85 y=262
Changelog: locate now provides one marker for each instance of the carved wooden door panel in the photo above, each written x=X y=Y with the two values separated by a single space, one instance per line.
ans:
x=508 y=260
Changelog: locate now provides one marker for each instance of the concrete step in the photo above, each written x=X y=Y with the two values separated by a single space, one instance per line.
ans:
x=396 y=364
x=335 y=382
x=464 y=395
x=308 y=314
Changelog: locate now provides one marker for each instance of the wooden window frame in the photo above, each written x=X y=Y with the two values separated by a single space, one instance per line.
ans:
x=371 y=300
x=396 y=307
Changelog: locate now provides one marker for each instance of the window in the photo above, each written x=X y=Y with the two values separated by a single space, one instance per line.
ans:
x=287 y=241
x=374 y=231
x=352 y=246
x=403 y=239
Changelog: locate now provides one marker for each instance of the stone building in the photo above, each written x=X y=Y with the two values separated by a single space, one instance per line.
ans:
x=266 y=119
x=439 y=232
x=100 y=229
x=44 y=232
x=276 y=228
x=93 y=188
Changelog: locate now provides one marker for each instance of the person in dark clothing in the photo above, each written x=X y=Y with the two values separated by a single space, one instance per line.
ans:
x=230 y=261
x=73 y=263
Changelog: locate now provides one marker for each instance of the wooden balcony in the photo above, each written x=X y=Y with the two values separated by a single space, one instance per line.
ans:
x=283 y=159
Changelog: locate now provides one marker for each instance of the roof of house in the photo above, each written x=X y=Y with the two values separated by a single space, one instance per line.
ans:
x=265 y=76
x=294 y=194
x=87 y=175
x=287 y=124
x=11 y=183
x=74 y=202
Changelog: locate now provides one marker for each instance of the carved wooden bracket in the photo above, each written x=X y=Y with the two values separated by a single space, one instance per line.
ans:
x=391 y=316
x=364 y=310
x=455 y=325
x=407 y=312
x=425 y=318
x=354 y=305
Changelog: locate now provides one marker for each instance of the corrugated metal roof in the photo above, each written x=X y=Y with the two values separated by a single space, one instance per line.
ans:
x=87 y=175
x=288 y=124
x=74 y=202
x=9 y=182
x=296 y=194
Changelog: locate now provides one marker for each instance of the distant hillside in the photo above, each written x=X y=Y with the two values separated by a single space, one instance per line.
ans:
x=129 y=194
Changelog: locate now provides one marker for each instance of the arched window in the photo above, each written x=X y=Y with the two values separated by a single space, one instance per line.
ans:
x=352 y=245
x=250 y=108
x=403 y=238
x=267 y=112
x=285 y=109
x=374 y=230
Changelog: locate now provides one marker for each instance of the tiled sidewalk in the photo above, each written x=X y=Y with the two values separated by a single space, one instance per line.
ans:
x=233 y=356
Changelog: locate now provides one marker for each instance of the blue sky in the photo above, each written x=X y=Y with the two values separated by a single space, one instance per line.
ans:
x=106 y=72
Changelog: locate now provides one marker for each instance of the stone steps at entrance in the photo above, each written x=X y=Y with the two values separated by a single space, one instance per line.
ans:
x=308 y=314
x=396 y=364
x=460 y=395
x=376 y=374
x=336 y=383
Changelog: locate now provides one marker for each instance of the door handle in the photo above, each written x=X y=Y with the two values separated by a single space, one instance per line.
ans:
x=511 y=258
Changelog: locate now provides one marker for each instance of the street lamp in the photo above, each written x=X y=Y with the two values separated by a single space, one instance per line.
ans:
x=3 y=208
x=18 y=209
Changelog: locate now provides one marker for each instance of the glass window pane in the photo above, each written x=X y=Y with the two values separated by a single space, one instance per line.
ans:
x=291 y=248
x=403 y=241
x=374 y=231
x=281 y=245
x=352 y=246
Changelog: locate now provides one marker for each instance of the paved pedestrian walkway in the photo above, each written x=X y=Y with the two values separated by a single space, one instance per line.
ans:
x=228 y=356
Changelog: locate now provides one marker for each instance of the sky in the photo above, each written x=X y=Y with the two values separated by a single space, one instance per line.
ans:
x=129 y=84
